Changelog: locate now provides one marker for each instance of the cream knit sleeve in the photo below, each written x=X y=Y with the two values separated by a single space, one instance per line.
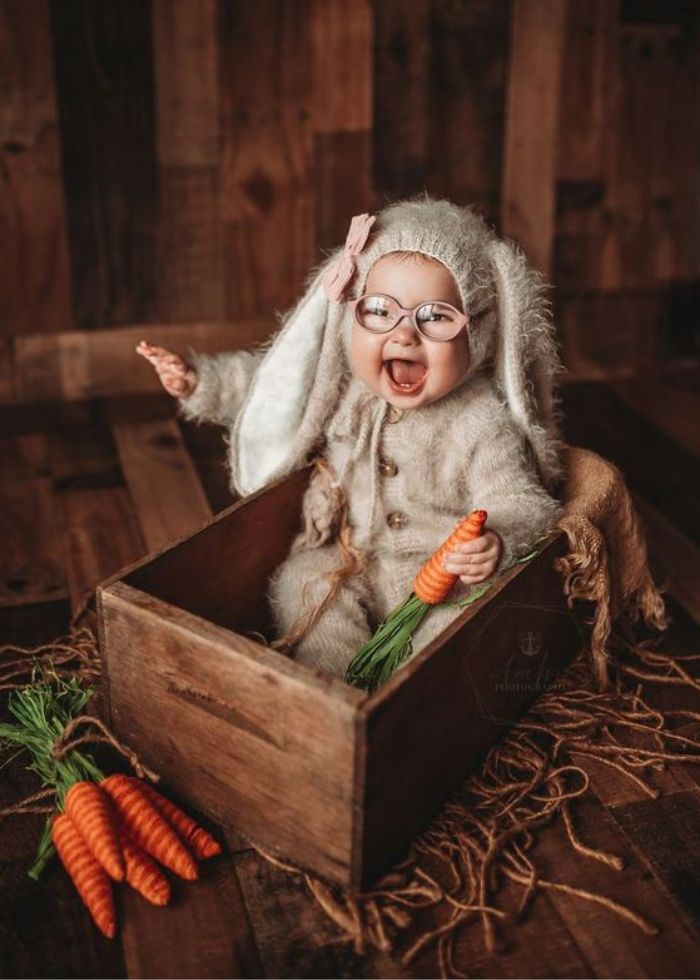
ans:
x=503 y=480
x=222 y=383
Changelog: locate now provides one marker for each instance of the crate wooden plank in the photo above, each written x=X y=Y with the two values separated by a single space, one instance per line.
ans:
x=34 y=263
x=195 y=578
x=465 y=688
x=532 y=127
x=79 y=364
x=162 y=480
x=235 y=701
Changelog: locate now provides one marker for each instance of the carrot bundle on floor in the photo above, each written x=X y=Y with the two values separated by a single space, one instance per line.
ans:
x=106 y=827
x=377 y=660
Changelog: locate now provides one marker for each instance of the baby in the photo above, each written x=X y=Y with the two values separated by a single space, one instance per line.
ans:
x=424 y=396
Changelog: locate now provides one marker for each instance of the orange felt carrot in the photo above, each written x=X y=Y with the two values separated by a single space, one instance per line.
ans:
x=143 y=874
x=92 y=812
x=146 y=826
x=432 y=584
x=377 y=660
x=88 y=875
x=199 y=841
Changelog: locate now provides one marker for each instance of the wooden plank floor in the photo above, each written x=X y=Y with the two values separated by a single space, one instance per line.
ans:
x=78 y=490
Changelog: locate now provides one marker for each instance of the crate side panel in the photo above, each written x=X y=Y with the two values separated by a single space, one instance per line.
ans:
x=435 y=728
x=221 y=572
x=259 y=751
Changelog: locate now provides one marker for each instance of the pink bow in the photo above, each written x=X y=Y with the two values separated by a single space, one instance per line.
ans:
x=339 y=274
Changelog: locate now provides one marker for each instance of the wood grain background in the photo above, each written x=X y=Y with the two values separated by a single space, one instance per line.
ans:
x=171 y=162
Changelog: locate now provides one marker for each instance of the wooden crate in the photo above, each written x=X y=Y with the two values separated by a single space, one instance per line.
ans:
x=301 y=763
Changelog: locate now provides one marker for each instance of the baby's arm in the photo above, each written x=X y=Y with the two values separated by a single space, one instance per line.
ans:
x=503 y=480
x=211 y=387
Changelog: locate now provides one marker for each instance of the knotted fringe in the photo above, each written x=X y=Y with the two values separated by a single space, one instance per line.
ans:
x=586 y=574
x=76 y=654
x=354 y=561
x=484 y=836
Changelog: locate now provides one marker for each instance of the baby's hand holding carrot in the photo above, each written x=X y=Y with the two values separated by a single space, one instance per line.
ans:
x=177 y=377
x=474 y=561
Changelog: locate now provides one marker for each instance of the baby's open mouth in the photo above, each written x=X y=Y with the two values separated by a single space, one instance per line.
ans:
x=405 y=376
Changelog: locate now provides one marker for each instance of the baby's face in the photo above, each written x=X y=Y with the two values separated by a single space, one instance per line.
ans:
x=410 y=281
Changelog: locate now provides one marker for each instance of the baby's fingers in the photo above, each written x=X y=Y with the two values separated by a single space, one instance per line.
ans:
x=158 y=355
x=463 y=564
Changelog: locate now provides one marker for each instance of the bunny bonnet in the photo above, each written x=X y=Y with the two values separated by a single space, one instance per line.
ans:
x=297 y=384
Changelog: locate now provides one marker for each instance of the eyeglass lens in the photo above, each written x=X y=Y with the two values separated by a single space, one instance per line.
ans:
x=438 y=321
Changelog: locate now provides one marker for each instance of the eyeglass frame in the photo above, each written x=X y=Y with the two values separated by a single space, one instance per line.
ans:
x=464 y=317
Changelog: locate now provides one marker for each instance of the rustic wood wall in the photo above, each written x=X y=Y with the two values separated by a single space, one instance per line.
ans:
x=177 y=162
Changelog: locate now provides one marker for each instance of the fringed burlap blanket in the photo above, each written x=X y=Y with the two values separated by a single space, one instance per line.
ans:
x=597 y=713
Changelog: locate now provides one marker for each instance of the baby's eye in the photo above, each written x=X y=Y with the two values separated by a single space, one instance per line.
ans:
x=430 y=314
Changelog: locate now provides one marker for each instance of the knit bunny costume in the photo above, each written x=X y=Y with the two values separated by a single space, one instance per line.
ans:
x=493 y=441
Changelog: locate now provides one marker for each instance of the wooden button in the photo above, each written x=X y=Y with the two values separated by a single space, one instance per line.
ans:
x=396 y=519
x=387 y=467
x=394 y=414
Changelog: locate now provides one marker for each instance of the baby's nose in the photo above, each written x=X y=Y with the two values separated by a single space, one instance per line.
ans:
x=406 y=335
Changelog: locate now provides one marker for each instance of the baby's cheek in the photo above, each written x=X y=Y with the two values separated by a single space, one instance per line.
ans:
x=365 y=353
x=449 y=364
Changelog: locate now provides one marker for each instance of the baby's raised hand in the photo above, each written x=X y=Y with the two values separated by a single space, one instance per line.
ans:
x=176 y=375
x=475 y=560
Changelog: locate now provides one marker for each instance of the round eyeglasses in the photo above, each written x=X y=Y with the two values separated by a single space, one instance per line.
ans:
x=434 y=319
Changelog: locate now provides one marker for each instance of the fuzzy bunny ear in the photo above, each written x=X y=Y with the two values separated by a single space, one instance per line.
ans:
x=293 y=391
x=527 y=357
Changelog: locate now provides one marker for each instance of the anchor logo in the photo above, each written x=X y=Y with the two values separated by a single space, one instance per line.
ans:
x=531 y=643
